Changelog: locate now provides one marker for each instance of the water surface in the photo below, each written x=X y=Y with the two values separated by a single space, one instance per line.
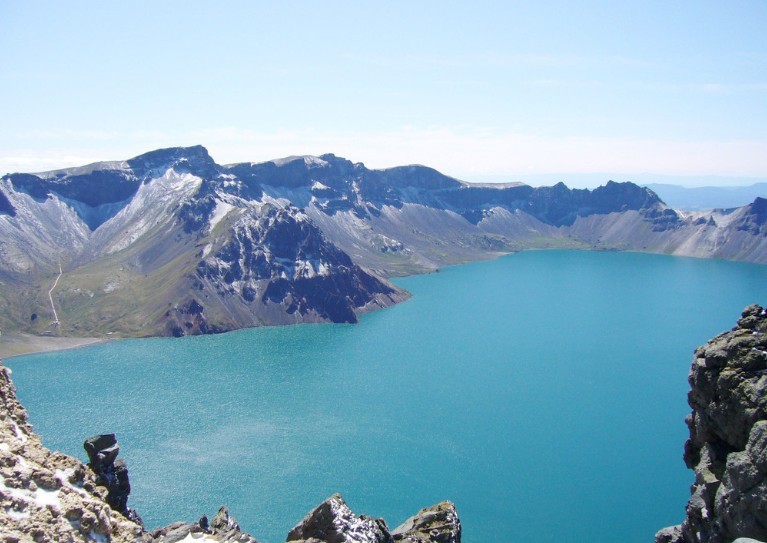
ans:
x=544 y=393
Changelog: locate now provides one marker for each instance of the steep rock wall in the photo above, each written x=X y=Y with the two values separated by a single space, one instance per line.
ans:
x=727 y=448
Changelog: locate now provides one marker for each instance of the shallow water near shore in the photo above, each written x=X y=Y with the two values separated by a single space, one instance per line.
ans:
x=544 y=393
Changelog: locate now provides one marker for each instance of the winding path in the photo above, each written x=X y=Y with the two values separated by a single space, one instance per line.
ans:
x=50 y=296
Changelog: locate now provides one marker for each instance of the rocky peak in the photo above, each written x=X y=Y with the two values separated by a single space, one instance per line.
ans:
x=754 y=219
x=630 y=194
x=727 y=448
x=559 y=205
x=194 y=160
x=419 y=177
x=436 y=524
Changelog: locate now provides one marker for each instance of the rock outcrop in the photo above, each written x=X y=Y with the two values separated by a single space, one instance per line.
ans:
x=333 y=522
x=111 y=473
x=48 y=497
x=437 y=524
x=727 y=448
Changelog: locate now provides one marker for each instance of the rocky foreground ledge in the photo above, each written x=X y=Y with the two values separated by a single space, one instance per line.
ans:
x=48 y=496
x=727 y=448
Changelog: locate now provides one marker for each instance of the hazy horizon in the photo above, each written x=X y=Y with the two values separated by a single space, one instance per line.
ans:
x=573 y=180
x=491 y=90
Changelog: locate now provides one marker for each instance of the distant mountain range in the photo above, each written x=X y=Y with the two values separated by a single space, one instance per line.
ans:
x=702 y=198
x=171 y=243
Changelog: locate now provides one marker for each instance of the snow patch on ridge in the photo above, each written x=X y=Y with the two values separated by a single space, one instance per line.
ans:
x=221 y=211
x=315 y=161
x=149 y=207
x=197 y=538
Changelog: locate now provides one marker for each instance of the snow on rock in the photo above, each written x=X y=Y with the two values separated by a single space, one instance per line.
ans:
x=333 y=520
x=221 y=210
x=42 y=232
x=149 y=208
x=315 y=161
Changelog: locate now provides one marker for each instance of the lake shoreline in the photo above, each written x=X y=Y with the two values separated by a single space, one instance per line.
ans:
x=19 y=344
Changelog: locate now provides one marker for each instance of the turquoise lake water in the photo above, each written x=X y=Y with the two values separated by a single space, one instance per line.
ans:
x=544 y=393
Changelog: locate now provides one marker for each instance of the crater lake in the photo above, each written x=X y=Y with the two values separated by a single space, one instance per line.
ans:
x=544 y=393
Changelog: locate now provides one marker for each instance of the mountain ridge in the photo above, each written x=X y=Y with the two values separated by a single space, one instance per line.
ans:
x=172 y=243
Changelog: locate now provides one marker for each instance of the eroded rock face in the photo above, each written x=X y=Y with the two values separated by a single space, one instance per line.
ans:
x=727 y=448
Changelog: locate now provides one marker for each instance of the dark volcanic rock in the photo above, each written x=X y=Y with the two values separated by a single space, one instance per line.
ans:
x=281 y=257
x=111 y=473
x=727 y=448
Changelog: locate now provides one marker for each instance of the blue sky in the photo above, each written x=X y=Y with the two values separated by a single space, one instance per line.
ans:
x=480 y=91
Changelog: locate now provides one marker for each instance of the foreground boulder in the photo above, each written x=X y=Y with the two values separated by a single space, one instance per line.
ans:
x=727 y=448
x=333 y=522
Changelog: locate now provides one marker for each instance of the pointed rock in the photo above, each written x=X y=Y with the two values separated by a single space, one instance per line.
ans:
x=333 y=522
x=436 y=524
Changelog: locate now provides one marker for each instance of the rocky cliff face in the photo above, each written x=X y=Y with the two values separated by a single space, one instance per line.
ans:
x=727 y=448
x=171 y=243
x=49 y=497
x=168 y=243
